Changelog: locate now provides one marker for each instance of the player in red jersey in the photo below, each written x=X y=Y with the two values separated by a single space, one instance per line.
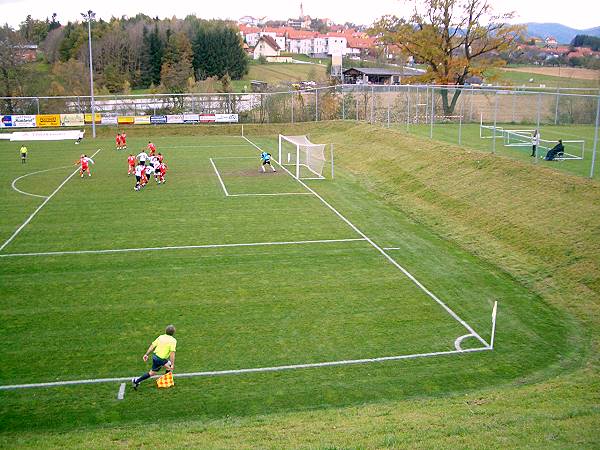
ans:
x=84 y=162
x=162 y=169
x=123 y=141
x=152 y=148
x=131 y=163
x=160 y=158
x=118 y=141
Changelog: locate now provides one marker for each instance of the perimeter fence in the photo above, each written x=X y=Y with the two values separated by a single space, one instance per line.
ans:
x=454 y=114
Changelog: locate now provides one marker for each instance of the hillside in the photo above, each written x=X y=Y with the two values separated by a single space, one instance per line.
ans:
x=562 y=33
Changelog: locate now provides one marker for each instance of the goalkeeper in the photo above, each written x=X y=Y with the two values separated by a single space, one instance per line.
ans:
x=163 y=349
x=265 y=159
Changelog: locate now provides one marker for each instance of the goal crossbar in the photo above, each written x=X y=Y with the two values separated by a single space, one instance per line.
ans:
x=303 y=154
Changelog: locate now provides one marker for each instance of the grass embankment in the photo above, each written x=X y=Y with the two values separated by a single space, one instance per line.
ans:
x=522 y=78
x=490 y=206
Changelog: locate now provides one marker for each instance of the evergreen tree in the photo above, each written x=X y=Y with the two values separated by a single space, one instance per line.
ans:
x=218 y=50
x=155 y=52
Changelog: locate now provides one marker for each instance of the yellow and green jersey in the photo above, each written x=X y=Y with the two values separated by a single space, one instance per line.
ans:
x=164 y=345
x=23 y=151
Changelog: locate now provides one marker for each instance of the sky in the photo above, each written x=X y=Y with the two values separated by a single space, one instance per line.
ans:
x=579 y=14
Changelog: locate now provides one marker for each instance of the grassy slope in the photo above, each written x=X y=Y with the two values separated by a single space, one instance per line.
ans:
x=522 y=79
x=465 y=199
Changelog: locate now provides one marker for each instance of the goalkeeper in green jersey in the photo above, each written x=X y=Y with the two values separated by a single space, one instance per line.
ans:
x=265 y=159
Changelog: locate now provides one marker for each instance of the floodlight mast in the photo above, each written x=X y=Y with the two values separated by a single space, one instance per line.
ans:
x=89 y=16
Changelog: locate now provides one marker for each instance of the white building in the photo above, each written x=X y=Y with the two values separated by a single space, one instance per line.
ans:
x=266 y=47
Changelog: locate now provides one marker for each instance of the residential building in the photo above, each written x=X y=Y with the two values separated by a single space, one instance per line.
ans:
x=266 y=47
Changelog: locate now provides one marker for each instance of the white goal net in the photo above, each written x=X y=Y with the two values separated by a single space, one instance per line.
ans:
x=303 y=158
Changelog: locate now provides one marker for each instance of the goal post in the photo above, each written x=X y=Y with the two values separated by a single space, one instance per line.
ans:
x=304 y=159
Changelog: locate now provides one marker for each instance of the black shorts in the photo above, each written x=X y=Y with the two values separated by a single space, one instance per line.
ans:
x=138 y=178
x=156 y=172
x=142 y=163
x=267 y=161
x=158 y=363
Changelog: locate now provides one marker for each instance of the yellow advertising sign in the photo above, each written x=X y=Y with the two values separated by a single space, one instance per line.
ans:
x=47 y=120
x=142 y=120
x=88 y=118
x=72 y=120
x=126 y=120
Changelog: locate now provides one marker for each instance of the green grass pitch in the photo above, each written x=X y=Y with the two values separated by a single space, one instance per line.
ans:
x=72 y=316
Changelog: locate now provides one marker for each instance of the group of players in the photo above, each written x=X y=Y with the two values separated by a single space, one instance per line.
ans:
x=145 y=165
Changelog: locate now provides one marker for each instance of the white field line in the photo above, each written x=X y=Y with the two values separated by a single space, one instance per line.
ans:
x=214 y=146
x=9 y=240
x=388 y=257
x=227 y=194
x=459 y=340
x=269 y=194
x=121 y=393
x=178 y=247
x=219 y=177
x=392 y=248
x=33 y=173
x=217 y=373
x=235 y=157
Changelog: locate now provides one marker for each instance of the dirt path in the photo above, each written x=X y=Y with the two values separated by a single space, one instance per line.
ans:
x=567 y=72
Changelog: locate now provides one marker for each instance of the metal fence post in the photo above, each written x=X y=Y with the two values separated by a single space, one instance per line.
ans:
x=595 y=139
x=495 y=121
x=460 y=117
x=556 y=108
x=343 y=104
x=407 y=107
x=388 y=106
x=372 y=103
x=537 y=122
x=357 y=109
x=316 y=105
x=431 y=119
x=37 y=100
x=514 y=105
x=292 y=107
x=471 y=106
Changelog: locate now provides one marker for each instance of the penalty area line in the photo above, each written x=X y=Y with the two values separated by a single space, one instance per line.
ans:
x=179 y=247
x=216 y=373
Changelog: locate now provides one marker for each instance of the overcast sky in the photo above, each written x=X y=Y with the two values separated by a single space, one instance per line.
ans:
x=578 y=14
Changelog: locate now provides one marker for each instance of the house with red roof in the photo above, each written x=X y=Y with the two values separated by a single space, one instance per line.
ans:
x=266 y=47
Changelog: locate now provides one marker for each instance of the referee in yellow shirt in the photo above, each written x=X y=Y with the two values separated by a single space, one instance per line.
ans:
x=163 y=355
x=23 y=152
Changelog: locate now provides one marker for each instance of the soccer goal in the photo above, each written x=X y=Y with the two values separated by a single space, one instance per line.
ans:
x=303 y=158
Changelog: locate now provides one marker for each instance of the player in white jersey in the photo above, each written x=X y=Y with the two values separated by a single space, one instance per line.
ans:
x=149 y=172
x=154 y=162
x=139 y=169
x=142 y=157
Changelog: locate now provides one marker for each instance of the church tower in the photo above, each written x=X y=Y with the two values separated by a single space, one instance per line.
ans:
x=301 y=11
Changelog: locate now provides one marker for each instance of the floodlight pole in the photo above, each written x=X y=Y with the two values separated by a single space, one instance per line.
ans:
x=89 y=16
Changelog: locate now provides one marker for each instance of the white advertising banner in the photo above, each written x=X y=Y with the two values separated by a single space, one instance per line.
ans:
x=46 y=135
x=191 y=118
x=23 y=121
x=226 y=118
x=142 y=120
x=71 y=120
x=108 y=120
x=175 y=118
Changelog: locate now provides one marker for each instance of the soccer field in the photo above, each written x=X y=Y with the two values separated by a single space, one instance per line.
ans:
x=256 y=271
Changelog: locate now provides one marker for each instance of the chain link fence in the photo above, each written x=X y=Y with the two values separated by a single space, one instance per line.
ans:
x=465 y=115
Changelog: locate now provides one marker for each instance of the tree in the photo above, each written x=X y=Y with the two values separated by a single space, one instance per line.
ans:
x=177 y=63
x=218 y=50
x=11 y=67
x=455 y=39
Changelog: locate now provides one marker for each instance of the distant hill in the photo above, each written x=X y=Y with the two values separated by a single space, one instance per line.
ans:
x=562 y=33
